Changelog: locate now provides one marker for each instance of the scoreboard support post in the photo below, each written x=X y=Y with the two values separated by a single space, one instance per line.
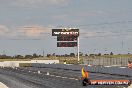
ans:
x=78 y=50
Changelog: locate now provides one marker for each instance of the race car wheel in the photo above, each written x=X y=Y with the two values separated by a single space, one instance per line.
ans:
x=85 y=82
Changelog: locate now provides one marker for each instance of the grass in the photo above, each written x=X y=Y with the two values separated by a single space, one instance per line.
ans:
x=118 y=56
x=1 y=60
x=70 y=60
x=25 y=64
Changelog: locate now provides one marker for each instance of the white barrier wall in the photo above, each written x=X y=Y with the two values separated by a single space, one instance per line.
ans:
x=16 y=63
x=45 y=61
x=13 y=63
x=1 y=64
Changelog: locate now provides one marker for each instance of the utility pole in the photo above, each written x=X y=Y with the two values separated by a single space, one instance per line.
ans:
x=122 y=43
x=43 y=52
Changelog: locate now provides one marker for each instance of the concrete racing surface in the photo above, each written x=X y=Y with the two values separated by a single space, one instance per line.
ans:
x=51 y=78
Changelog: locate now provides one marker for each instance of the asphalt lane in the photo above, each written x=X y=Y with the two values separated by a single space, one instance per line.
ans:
x=50 y=78
x=77 y=74
x=19 y=78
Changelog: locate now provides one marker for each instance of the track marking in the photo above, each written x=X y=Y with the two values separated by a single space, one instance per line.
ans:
x=71 y=78
x=52 y=75
x=64 y=77
x=57 y=76
x=122 y=67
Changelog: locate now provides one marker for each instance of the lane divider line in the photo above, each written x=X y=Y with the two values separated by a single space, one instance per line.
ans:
x=64 y=77
x=71 y=78
x=76 y=79
x=52 y=75
x=58 y=76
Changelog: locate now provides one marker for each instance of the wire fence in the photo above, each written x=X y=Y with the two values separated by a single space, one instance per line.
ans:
x=106 y=61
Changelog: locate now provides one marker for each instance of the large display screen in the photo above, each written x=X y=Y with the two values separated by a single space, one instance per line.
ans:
x=66 y=44
x=67 y=38
x=58 y=32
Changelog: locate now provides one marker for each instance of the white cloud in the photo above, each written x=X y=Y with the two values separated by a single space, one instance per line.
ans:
x=91 y=13
x=39 y=3
x=105 y=34
x=39 y=32
x=96 y=33
x=3 y=30
x=59 y=17
x=32 y=31
x=57 y=2
x=25 y=32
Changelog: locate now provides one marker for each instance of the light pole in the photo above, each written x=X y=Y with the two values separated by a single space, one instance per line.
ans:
x=43 y=52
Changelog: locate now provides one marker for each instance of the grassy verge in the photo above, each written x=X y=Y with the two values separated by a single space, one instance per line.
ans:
x=1 y=60
x=25 y=65
x=71 y=60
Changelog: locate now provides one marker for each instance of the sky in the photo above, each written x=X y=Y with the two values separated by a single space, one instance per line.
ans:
x=25 y=25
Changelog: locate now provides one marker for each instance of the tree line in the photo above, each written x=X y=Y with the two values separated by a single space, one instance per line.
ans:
x=48 y=55
x=20 y=56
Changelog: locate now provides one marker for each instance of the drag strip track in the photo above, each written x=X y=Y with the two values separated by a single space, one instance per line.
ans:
x=57 y=78
x=28 y=79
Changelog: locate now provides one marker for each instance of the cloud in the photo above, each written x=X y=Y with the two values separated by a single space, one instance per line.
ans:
x=91 y=13
x=25 y=32
x=59 y=17
x=41 y=32
x=3 y=30
x=96 y=33
x=57 y=2
x=32 y=31
x=105 y=34
x=88 y=34
x=38 y=3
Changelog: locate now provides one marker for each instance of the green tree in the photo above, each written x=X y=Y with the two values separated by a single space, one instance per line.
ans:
x=35 y=55
x=111 y=53
x=72 y=55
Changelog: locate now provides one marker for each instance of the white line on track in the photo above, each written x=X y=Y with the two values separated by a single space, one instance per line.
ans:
x=60 y=77
x=103 y=75
x=64 y=77
x=71 y=78
x=57 y=76
x=52 y=75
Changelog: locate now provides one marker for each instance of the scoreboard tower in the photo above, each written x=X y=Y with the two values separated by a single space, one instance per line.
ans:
x=67 y=38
